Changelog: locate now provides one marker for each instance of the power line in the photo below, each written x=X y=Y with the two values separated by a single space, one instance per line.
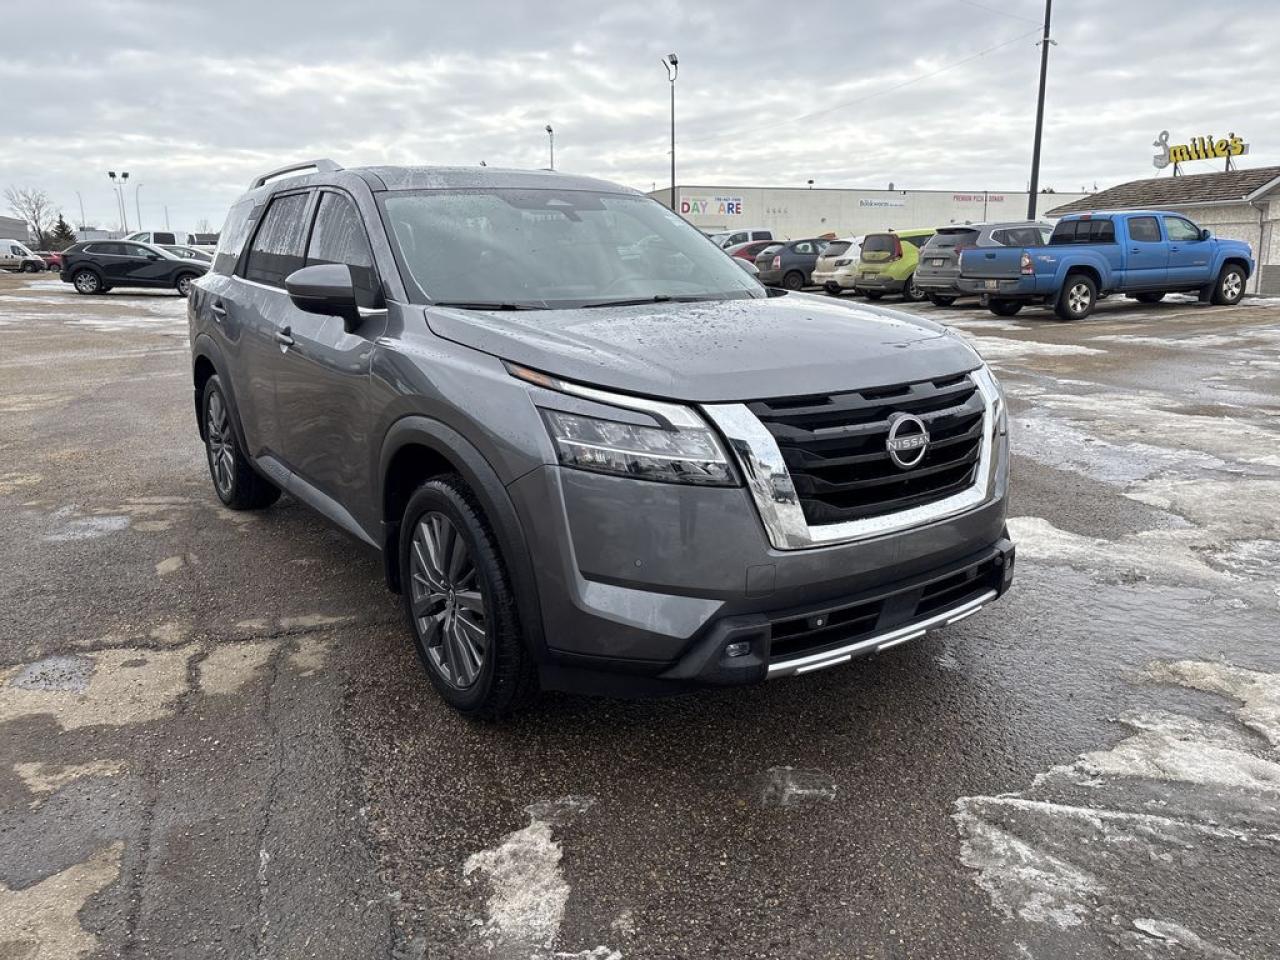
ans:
x=1003 y=13
x=863 y=99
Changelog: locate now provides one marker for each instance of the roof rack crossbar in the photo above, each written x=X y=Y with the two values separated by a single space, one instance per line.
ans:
x=321 y=165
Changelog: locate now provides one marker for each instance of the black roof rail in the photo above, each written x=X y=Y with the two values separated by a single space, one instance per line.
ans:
x=322 y=165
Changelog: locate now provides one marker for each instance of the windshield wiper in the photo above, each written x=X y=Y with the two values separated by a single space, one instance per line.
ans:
x=486 y=305
x=640 y=301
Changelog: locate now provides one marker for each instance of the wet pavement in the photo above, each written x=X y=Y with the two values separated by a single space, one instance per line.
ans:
x=216 y=741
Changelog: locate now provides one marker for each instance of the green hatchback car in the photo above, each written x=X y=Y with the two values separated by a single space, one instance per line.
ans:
x=888 y=264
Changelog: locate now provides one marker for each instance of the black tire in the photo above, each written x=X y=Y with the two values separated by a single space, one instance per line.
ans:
x=88 y=282
x=182 y=283
x=873 y=294
x=939 y=300
x=236 y=483
x=1077 y=298
x=30 y=268
x=1229 y=287
x=910 y=292
x=506 y=678
x=833 y=289
x=1154 y=297
x=1004 y=308
x=793 y=280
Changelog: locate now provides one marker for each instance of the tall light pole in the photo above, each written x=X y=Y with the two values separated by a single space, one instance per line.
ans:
x=672 y=63
x=119 y=187
x=1035 y=150
x=551 y=142
x=137 y=206
x=81 y=199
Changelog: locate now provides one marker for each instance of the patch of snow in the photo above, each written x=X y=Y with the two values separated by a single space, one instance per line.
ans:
x=786 y=786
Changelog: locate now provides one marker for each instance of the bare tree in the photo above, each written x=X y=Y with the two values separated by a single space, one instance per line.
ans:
x=204 y=226
x=34 y=207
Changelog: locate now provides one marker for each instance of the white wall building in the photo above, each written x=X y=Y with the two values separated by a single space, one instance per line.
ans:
x=793 y=212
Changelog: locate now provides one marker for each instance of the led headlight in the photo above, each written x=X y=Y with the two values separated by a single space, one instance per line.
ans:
x=679 y=448
x=991 y=385
x=684 y=455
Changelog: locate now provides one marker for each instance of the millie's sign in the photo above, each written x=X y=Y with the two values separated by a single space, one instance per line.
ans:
x=1199 y=148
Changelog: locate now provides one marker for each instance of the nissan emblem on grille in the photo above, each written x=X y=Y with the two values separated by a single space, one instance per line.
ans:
x=908 y=440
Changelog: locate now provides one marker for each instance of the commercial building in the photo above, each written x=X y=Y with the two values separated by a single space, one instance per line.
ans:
x=792 y=212
x=1240 y=204
x=11 y=228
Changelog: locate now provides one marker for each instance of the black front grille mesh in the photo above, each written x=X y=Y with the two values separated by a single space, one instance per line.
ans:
x=835 y=446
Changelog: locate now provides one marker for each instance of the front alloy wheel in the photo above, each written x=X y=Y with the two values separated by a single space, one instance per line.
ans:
x=184 y=284
x=447 y=602
x=86 y=281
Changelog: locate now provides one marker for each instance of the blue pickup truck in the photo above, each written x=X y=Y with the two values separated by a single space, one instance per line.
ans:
x=1142 y=254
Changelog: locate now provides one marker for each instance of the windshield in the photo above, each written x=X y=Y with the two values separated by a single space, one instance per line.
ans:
x=555 y=248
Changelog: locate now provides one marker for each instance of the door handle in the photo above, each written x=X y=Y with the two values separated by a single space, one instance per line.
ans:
x=218 y=310
x=283 y=337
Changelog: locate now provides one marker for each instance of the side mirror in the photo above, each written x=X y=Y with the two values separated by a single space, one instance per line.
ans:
x=326 y=289
x=748 y=266
x=1205 y=233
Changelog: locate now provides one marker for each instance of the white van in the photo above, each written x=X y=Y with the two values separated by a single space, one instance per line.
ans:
x=167 y=238
x=15 y=255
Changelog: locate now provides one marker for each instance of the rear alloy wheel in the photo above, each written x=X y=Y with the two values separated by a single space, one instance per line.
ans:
x=235 y=482
x=793 y=280
x=87 y=282
x=30 y=268
x=183 y=285
x=911 y=292
x=1230 y=286
x=1004 y=308
x=1077 y=298
x=460 y=602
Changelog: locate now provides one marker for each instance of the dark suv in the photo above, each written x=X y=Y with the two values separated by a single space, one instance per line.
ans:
x=594 y=453
x=96 y=266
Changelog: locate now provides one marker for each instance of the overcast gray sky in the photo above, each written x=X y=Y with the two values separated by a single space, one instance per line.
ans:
x=195 y=98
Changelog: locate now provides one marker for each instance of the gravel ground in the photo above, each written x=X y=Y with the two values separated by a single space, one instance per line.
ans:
x=217 y=741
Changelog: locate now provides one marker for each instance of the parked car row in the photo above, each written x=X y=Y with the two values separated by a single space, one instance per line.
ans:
x=95 y=266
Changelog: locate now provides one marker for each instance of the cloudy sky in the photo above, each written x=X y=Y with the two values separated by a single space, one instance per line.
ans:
x=194 y=98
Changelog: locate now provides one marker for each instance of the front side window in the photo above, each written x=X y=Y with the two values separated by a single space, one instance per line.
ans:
x=554 y=248
x=1144 y=230
x=134 y=250
x=1180 y=229
x=277 y=246
x=339 y=237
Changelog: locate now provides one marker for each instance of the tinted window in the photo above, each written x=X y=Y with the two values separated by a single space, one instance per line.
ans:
x=946 y=239
x=1083 y=231
x=277 y=246
x=1144 y=230
x=163 y=238
x=134 y=250
x=1179 y=229
x=234 y=233
x=339 y=237
x=879 y=243
x=1019 y=236
x=112 y=249
x=761 y=235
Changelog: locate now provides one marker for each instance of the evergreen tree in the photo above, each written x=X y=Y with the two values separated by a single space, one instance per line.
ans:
x=61 y=236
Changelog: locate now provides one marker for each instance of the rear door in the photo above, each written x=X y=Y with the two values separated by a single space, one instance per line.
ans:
x=322 y=391
x=940 y=257
x=144 y=267
x=1190 y=258
x=261 y=312
x=1146 y=255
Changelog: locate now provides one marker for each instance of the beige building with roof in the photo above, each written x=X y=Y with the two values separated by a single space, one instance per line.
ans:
x=1240 y=204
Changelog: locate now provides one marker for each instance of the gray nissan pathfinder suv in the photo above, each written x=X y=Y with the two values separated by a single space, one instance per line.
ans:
x=594 y=453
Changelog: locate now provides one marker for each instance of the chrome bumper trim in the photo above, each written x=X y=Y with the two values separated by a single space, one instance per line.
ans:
x=882 y=641
x=775 y=496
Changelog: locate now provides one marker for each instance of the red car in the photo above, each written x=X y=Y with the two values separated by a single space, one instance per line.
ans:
x=52 y=259
x=748 y=251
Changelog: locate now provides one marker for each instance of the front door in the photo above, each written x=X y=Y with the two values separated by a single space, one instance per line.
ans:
x=1147 y=263
x=323 y=385
x=1190 y=258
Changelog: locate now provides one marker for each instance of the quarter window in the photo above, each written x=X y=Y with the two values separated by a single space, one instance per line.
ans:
x=1180 y=229
x=231 y=241
x=277 y=246
x=339 y=237
x=1144 y=230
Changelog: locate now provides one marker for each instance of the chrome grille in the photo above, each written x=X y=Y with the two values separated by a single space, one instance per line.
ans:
x=834 y=446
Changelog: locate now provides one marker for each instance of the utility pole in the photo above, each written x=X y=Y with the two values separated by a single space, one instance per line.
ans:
x=672 y=63
x=81 y=199
x=551 y=142
x=1035 y=150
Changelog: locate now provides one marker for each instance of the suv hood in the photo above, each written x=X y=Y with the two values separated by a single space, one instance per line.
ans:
x=717 y=351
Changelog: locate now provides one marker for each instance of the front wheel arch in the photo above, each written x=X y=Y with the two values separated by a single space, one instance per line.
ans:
x=446 y=450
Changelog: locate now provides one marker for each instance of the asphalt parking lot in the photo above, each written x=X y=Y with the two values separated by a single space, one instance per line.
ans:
x=216 y=741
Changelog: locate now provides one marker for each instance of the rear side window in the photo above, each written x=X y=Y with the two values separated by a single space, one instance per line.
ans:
x=1144 y=230
x=277 y=246
x=1083 y=231
x=110 y=249
x=339 y=237
x=231 y=241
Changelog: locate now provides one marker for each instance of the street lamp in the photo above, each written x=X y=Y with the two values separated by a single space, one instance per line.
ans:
x=137 y=207
x=551 y=142
x=119 y=186
x=672 y=63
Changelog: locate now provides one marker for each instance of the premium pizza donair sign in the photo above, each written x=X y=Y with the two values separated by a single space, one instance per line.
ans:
x=1199 y=148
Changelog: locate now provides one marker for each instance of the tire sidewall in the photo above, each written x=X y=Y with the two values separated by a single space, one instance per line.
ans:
x=188 y=279
x=1064 y=304
x=1222 y=286
x=97 y=288
x=442 y=497
x=793 y=281
x=211 y=386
